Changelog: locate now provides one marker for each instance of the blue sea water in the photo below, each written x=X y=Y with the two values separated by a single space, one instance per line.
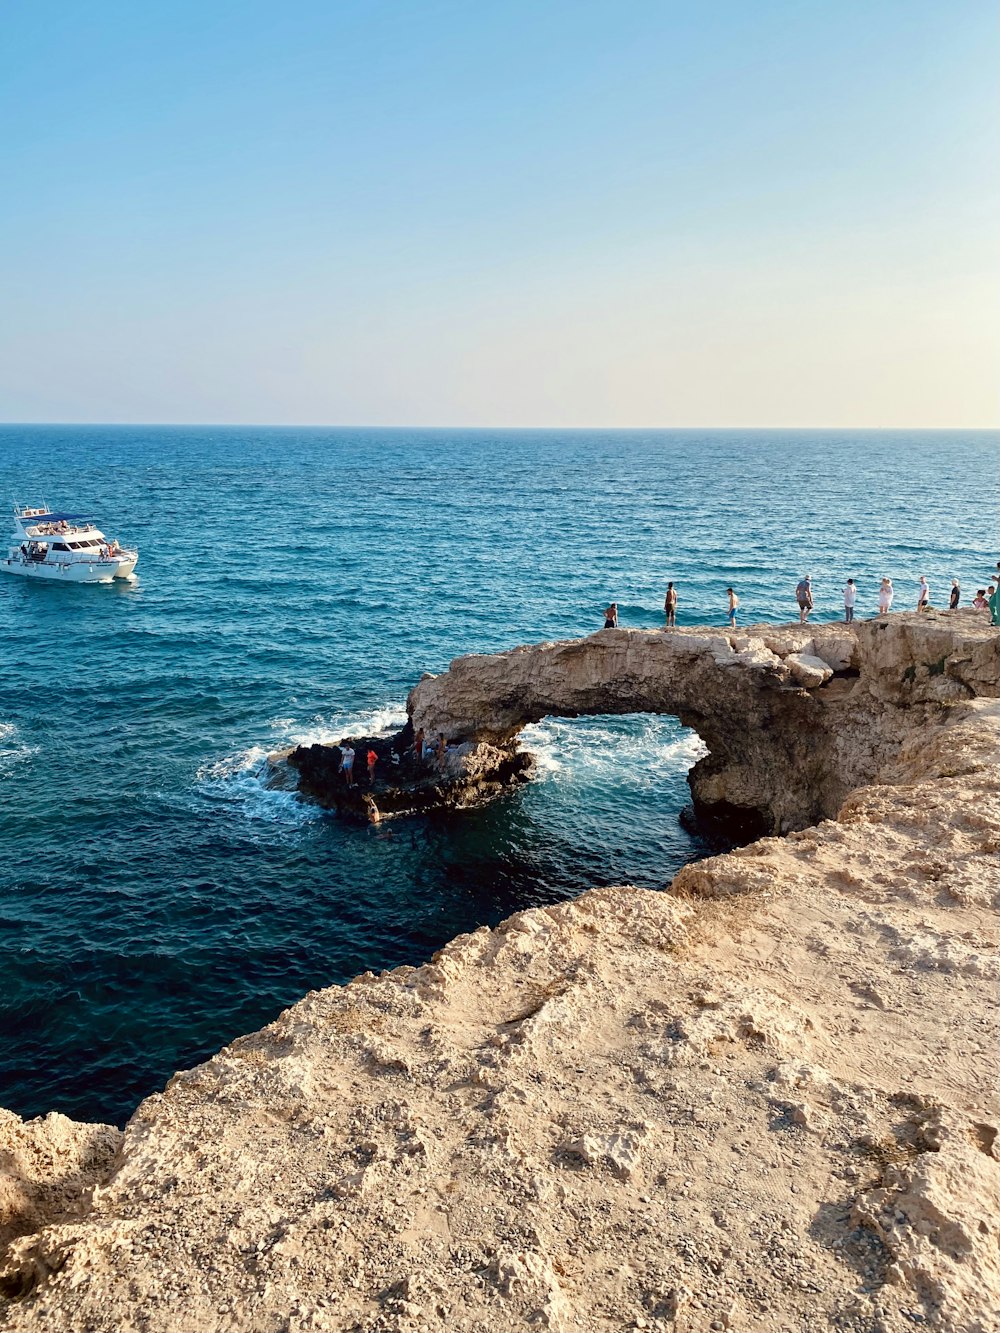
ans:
x=156 y=900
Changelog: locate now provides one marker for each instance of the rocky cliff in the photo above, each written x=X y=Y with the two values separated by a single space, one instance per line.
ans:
x=764 y=1100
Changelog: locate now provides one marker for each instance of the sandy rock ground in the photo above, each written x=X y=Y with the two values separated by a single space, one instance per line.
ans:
x=764 y=1100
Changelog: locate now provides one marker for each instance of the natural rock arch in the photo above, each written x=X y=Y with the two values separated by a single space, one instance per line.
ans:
x=794 y=717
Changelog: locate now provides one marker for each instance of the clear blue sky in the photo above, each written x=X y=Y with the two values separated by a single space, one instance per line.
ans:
x=565 y=212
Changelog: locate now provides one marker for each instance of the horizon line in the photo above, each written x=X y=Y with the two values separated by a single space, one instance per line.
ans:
x=321 y=425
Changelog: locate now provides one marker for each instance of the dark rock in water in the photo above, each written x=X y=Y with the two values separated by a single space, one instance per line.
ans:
x=403 y=782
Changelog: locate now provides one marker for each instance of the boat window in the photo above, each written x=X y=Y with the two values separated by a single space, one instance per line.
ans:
x=74 y=546
x=59 y=546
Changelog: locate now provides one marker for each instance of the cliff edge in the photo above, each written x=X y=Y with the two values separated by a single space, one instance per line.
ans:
x=763 y=1100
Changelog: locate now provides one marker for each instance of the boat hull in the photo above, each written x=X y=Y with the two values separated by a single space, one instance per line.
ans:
x=103 y=571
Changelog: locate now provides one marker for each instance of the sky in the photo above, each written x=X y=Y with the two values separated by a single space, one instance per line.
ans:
x=499 y=212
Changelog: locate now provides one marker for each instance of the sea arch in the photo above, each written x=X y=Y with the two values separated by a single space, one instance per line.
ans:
x=769 y=705
x=794 y=717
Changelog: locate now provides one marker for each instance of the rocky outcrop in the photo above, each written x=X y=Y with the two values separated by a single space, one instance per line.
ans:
x=762 y=1100
x=402 y=783
x=49 y=1168
x=793 y=717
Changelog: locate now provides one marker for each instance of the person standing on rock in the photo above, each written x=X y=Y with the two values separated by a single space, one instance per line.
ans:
x=347 y=764
x=418 y=745
x=850 y=597
x=924 y=594
x=670 y=606
x=372 y=761
x=734 y=603
x=442 y=750
x=884 y=597
x=993 y=602
x=804 y=597
x=954 y=597
x=611 y=616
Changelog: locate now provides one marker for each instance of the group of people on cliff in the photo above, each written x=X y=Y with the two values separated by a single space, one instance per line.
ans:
x=886 y=592
x=986 y=599
x=347 y=757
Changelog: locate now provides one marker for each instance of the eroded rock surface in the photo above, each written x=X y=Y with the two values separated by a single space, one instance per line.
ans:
x=49 y=1168
x=826 y=703
x=764 y=1100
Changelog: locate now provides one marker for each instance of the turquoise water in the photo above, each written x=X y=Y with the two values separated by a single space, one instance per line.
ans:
x=157 y=900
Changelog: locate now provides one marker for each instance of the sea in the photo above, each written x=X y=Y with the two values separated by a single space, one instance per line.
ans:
x=157 y=899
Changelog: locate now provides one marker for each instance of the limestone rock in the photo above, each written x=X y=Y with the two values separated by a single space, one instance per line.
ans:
x=733 y=689
x=621 y=1151
x=936 y=1215
x=48 y=1169
x=808 y=670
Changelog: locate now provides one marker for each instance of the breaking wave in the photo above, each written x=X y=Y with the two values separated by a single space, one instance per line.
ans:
x=249 y=782
x=632 y=751
x=13 y=752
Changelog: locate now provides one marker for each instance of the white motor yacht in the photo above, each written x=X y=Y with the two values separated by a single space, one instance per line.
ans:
x=64 y=547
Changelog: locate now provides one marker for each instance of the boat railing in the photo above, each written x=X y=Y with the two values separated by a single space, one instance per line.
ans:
x=54 y=530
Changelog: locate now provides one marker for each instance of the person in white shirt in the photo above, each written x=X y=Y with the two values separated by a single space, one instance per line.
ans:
x=885 y=597
x=347 y=763
x=850 y=597
x=924 y=595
